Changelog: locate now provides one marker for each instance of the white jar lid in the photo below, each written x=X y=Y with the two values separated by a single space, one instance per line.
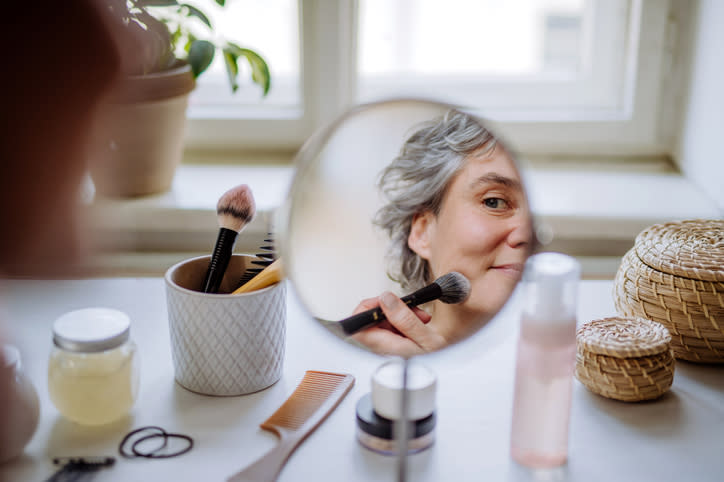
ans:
x=91 y=330
x=387 y=390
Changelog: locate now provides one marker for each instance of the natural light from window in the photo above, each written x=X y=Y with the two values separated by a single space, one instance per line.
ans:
x=487 y=54
x=269 y=27
x=546 y=68
x=458 y=37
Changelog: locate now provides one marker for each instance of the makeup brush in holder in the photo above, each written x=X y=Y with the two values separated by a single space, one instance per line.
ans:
x=234 y=211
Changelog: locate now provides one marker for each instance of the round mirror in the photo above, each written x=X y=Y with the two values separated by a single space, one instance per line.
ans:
x=412 y=198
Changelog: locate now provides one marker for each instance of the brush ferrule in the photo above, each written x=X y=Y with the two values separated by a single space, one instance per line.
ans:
x=426 y=294
x=365 y=319
x=219 y=260
x=362 y=320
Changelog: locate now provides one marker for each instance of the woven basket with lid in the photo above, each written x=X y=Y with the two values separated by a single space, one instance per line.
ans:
x=628 y=359
x=674 y=274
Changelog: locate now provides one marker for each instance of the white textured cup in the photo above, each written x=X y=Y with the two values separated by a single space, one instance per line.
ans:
x=224 y=344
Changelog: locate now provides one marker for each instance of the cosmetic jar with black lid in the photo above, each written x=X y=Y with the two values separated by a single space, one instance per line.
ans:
x=378 y=433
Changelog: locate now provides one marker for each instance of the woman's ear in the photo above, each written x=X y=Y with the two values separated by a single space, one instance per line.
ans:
x=419 y=237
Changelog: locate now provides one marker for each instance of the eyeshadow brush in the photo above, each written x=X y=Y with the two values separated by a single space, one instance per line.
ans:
x=234 y=211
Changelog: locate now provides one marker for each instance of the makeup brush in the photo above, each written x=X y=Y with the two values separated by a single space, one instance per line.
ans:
x=450 y=288
x=234 y=211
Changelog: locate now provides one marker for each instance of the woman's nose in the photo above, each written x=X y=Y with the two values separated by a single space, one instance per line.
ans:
x=521 y=232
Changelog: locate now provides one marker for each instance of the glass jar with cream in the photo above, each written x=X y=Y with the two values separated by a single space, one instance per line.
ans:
x=93 y=370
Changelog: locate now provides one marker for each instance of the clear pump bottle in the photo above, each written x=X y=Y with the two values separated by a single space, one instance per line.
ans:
x=545 y=361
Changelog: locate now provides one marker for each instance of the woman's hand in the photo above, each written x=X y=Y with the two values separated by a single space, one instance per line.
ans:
x=405 y=332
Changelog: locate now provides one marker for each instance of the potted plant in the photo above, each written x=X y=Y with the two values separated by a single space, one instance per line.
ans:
x=140 y=137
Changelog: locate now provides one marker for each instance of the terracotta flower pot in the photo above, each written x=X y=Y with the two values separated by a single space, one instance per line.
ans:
x=140 y=137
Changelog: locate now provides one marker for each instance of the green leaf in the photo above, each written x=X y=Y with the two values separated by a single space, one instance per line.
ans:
x=201 y=53
x=156 y=3
x=221 y=2
x=176 y=36
x=232 y=68
x=190 y=39
x=259 y=69
x=195 y=12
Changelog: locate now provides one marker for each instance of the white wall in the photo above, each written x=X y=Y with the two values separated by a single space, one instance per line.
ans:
x=700 y=150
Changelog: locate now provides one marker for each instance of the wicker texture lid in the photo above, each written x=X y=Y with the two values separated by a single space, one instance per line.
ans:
x=624 y=337
x=691 y=249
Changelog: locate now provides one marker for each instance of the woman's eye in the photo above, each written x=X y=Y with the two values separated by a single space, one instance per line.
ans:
x=495 y=203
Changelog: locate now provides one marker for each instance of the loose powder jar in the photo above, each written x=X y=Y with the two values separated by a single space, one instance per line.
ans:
x=93 y=371
x=379 y=411
x=378 y=433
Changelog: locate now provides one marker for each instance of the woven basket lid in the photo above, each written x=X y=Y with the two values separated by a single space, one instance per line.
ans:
x=624 y=337
x=691 y=249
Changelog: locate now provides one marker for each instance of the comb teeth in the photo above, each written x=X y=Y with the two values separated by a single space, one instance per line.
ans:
x=314 y=389
x=248 y=275
x=263 y=259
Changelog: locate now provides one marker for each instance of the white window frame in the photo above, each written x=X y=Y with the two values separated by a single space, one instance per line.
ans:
x=328 y=62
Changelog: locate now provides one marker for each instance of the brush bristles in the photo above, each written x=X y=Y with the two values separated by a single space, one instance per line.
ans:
x=455 y=287
x=236 y=208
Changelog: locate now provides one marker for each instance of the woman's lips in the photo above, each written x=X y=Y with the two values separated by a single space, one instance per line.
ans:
x=513 y=270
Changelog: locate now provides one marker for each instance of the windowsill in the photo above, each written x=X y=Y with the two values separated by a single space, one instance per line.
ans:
x=593 y=212
x=144 y=236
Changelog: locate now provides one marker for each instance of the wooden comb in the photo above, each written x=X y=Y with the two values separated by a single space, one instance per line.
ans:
x=313 y=400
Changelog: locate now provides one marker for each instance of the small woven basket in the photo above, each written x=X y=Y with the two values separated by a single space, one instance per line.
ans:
x=627 y=359
x=674 y=274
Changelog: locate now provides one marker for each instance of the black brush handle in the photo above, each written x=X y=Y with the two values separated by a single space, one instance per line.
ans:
x=219 y=260
x=363 y=320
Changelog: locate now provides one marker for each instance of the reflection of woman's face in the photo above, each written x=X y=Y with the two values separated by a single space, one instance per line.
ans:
x=482 y=231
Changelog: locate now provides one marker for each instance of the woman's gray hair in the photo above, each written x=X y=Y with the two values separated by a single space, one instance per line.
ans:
x=416 y=181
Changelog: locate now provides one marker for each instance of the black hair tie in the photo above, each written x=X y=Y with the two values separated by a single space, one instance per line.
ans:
x=129 y=455
x=152 y=454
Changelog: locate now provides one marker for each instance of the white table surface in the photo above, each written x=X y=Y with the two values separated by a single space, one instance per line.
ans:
x=679 y=437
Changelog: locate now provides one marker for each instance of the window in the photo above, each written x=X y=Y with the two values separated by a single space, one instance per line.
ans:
x=577 y=77
x=270 y=28
x=524 y=55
